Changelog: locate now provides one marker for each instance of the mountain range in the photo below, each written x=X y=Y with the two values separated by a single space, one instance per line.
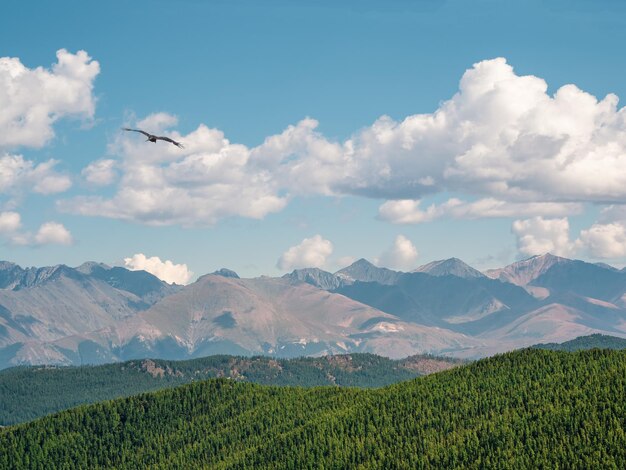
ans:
x=96 y=314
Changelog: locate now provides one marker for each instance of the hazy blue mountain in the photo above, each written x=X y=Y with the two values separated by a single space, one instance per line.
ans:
x=226 y=273
x=96 y=313
x=446 y=301
x=364 y=271
x=584 y=279
x=10 y=275
x=607 y=266
x=449 y=267
x=218 y=315
x=548 y=276
x=316 y=277
x=141 y=283
x=39 y=306
x=526 y=271
x=14 y=277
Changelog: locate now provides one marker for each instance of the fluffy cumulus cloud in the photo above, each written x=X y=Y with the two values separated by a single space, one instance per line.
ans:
x=53 y=233
x=31 y=100
x=604 y=240
x=537 y=236
x=10 y=222
x=310 y=253
x=161 y=184
x=165 y=270
x=49 y=233
x=505 y=144
x=18 y=175
x=100 y=172
x=500 y=136
x=401 y=255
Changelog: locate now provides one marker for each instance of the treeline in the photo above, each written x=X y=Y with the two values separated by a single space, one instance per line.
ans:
x=526 y=409
x=27 y=393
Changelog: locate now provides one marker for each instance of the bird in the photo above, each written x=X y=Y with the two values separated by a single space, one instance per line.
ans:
x=153 y=138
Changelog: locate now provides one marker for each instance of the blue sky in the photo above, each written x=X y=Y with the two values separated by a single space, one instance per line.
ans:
x=349 y=182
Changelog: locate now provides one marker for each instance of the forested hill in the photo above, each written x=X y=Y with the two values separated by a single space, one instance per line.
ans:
x=526 y=409
x=587 y=342
x=27 y=393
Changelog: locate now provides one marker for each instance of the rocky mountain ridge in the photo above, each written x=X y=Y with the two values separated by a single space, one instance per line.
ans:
x=96 y=313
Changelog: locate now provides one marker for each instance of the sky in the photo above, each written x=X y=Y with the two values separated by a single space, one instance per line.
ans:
x=314 y=133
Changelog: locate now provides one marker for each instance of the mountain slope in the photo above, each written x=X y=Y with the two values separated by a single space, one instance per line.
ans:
x=523 y=272
x=584 y=279
x=218 y=315
x=95 y=314
x=444 y=301
x=510 y=411
x=316 y=277
x=42 y=305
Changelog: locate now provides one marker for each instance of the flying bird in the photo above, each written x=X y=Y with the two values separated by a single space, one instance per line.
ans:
x=153 y=138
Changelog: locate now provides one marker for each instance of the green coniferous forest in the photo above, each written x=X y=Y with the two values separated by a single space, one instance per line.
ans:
x=27 y=393
x=587 y=342
x=526 y=409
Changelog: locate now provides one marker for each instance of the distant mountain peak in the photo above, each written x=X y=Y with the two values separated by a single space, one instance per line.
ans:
x=364 y=271
x=362 y=262
x=527 y=270
x=450 y=267
x=89 y=266
x=316 y=277
x=546 y=257
x=224 y=272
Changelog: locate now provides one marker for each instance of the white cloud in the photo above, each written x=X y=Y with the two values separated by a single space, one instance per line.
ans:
x=10 y=222
x=165 y=270
x=501 y=141
x=537 y=236
x=31 y=100
x=408 y=211
x=402 y=255
x=53 y=233
x=100 y=172
x=19 y=175
x=49 y=233
x=161 y=184
x=310 y=253
x=501 y=136
x=604 y=240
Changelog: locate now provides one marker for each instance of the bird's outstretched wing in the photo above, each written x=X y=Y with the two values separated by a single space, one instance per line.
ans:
x=167 y=139
x=136 y=130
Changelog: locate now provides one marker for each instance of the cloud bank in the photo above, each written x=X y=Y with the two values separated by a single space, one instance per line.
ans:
x=502 y=141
